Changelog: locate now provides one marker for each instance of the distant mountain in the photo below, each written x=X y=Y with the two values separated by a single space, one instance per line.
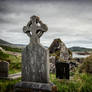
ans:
x=5 y=43
x=2 y=42
x=80 y=49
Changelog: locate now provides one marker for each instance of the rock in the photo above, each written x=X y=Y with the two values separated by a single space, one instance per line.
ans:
x=73 y=65
x=59 y=49
x=52 y=64
x=4 y=67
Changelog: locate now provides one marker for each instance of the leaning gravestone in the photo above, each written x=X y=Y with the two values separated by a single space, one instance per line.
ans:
x=62 y=70
x=35 y=60
x=4 y=66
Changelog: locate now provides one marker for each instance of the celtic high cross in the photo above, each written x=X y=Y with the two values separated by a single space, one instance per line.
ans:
x=35 y=29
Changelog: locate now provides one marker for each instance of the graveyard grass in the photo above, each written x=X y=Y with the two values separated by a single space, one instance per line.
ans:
x=80 y=82
x=8 y=48
x=8 y=85
x=14 y=60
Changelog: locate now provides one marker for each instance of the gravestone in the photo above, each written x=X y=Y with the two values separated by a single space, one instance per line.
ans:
x=4 y=66
x=35 y=60
x=62 y=70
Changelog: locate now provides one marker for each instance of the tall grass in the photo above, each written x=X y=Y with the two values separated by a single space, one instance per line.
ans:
x=87 y=65
x=8 y=85
x=14 y=62
x=80 y=83
x=3 y=56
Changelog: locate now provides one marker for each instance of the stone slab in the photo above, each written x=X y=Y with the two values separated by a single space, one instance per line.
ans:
x=4 y=66
x=35 y=63
x=35 y=87
x=62 y=70
x=12 y=76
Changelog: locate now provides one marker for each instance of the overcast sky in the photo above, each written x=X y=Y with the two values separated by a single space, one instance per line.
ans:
x=69 y=20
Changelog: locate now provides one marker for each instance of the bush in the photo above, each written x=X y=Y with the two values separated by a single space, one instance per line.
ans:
x=3 y=56
x=7 y=48
x=87 y=65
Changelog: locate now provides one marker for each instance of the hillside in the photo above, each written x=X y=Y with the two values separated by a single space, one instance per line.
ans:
x=79 y=81
x=10 y=45
x=14 y=59
x=2 y=42
x=81 y=49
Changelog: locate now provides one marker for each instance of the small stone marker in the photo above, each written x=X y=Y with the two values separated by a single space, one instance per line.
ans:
x=35 y=60
x=62 y=70
x=4 y=66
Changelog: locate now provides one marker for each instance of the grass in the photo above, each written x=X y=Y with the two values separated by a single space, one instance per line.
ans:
x=80 y=83
x=8 y=85
x=7 y=48
x=3 y=56
x=14 y=62
x=87 y=65
x=14 y=67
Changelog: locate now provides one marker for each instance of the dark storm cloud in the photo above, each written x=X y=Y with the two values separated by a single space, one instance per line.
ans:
x=70 y=21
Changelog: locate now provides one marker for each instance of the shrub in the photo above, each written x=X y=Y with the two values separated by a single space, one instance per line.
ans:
x=3 y=56
x=87 y=65
x=7 y=48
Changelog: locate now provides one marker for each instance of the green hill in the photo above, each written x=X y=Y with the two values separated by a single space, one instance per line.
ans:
x=13 y=58
x=2 y=42
x=81 y=49
x=11 y=45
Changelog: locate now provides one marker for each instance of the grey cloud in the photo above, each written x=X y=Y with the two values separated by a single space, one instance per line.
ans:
x=70 y=21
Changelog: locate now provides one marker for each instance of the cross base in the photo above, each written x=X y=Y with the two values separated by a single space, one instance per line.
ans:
x=35 y=87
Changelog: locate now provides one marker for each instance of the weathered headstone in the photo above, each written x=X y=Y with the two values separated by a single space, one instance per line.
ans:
x=4 y=69
x=62 y=70
x=35 y=60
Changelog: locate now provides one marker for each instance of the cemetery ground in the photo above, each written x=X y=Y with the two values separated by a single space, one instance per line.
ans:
x=80 y=79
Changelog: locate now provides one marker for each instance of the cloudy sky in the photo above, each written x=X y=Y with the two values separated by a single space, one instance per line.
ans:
x=69 y=20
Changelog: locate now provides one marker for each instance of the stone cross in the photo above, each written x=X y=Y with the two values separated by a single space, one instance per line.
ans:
x=35 y=28
x=35 y=57
x=35 y=61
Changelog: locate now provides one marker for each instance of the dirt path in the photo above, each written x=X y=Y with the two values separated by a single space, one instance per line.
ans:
x=14 y=76
x=13 y=53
